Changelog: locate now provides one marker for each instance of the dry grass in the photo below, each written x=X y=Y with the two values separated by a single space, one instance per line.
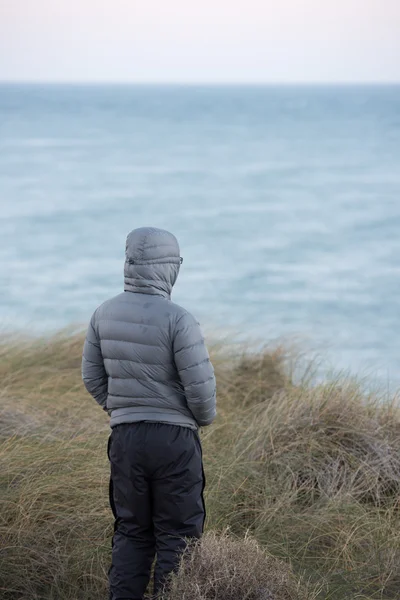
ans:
x=220 y=567
x=309 y=471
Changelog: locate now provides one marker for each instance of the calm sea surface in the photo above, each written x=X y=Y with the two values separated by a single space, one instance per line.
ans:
x=286 y=203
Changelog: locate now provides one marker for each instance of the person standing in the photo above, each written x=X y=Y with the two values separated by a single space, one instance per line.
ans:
x=145 y=363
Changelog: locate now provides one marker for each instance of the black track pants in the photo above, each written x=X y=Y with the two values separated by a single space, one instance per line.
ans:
x=156 y=495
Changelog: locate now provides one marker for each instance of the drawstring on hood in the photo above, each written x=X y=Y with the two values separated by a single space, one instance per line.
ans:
x=152 y=261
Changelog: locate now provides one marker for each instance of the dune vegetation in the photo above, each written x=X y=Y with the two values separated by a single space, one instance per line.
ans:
x=303 y=483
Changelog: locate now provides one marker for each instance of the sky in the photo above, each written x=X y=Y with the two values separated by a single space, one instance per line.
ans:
x=190 y=41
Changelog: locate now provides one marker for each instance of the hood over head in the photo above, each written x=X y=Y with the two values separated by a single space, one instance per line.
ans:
x=152 y=261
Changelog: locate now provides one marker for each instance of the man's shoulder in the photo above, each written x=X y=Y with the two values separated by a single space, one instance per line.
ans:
x=109 y=303
x=180 y=313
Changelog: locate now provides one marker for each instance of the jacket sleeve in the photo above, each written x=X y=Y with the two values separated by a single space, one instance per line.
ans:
x=195 y=369
x=93 y=372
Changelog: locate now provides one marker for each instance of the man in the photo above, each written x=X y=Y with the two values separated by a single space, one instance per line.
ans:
x=145 y=362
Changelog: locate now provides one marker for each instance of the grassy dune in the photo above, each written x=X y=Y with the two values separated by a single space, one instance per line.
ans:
x=303 y=484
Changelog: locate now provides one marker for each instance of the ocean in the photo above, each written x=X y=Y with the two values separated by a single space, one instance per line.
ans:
x=285 y=201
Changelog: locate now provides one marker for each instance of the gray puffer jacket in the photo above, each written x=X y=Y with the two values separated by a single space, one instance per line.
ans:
x=144 y=357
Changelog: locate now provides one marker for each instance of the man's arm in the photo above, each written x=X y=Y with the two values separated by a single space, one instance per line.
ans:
x=195 y=370
x=93 y=373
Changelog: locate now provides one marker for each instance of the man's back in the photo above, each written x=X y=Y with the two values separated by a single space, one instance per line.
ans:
x=144 y=356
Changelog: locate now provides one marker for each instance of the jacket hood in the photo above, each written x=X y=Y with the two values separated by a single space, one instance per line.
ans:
x=152 y=261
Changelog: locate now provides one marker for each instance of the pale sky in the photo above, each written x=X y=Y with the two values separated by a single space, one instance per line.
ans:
x=200 y=40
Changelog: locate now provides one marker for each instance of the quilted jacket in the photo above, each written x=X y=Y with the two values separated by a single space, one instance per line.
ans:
x=144 y=357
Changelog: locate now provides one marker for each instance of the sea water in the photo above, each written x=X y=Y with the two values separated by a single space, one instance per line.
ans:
x=285 y=201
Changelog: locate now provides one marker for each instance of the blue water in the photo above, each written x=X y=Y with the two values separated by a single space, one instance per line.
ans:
x=285 y=200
